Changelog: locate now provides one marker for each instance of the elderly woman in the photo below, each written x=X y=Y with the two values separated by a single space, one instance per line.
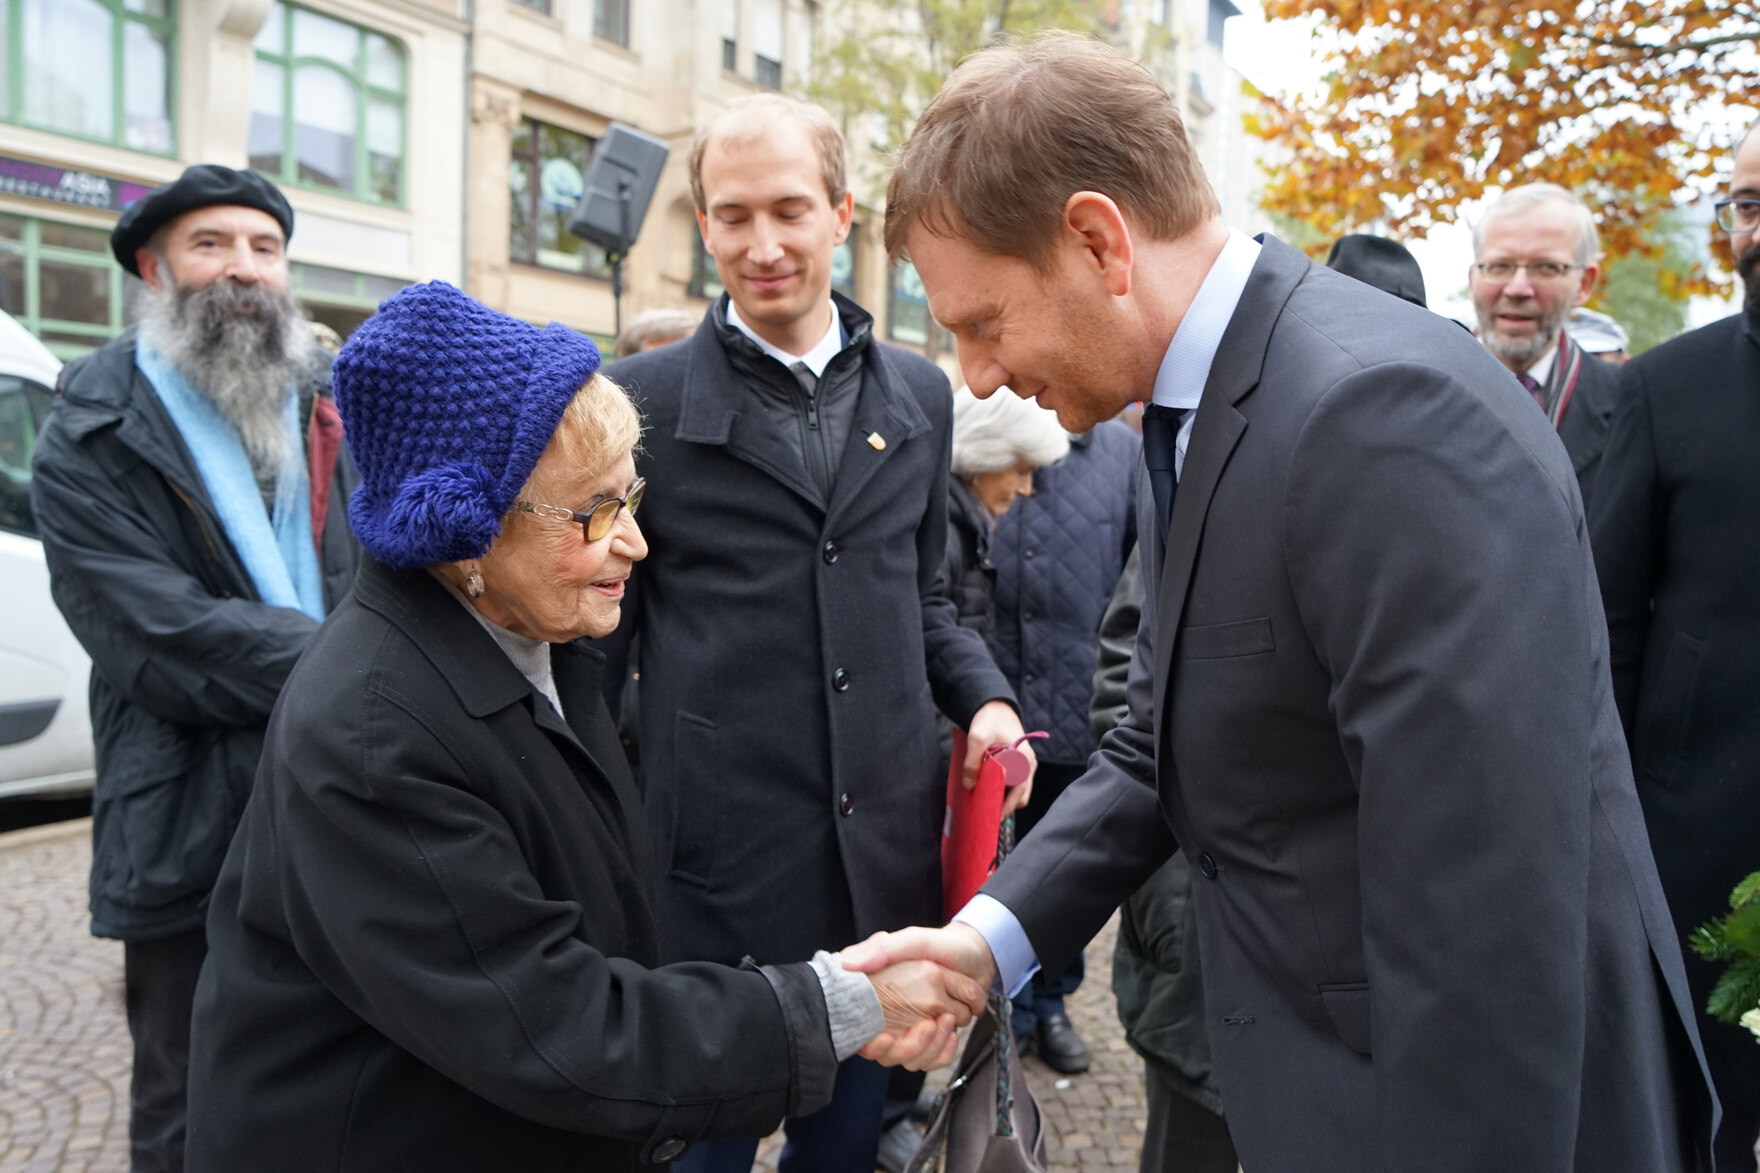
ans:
x=997 y=444
x=432 y=941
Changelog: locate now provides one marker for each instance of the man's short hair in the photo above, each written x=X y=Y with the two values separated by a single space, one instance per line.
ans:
x=1019 y=128
x=1532 y=195
x=654 y=328
x=755 y=118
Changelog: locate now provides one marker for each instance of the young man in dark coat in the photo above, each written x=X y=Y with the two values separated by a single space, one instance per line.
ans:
x=1673 y=523
x=1370 y=695
x=190 y=484
x=793 y=640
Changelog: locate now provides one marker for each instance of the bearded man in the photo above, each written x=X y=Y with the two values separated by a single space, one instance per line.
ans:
x=191 y=488
x=1678 y=556
x=1536 y=257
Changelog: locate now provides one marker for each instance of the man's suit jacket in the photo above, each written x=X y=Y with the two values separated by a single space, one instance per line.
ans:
x=1370 y=699
x=792 y=656
x=1678 y=547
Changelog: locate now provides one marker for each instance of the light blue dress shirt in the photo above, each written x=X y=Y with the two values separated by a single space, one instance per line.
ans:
x=1179 y=384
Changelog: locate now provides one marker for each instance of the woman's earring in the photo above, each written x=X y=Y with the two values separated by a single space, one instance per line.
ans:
x=473 y=583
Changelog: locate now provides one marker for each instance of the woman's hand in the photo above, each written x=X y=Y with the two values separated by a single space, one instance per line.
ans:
x=924 y=1006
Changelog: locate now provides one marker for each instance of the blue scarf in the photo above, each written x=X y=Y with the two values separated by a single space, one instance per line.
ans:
x=279 y=555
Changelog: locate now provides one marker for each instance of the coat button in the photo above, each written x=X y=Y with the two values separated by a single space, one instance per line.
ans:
x=1207 y=865
x=830 y=552
x=1028 y=552
x=846 y=804
x=840 y=680
x=669 y=1150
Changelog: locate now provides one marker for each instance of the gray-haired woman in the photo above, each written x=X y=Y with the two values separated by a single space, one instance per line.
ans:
x=431 y=943
x=997 y=444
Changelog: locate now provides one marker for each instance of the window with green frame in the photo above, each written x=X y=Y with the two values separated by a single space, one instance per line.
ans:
x=328 y=104
x=59 y=281
x=95 y=69
x=546 y=174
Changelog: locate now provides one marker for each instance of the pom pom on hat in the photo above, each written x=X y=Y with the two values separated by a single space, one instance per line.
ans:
x=447 y=406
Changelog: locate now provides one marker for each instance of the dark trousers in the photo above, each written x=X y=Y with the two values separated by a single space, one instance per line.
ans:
x=843 y=1137
x=1182 y=1135
x=159 y=980
x=1043 y=996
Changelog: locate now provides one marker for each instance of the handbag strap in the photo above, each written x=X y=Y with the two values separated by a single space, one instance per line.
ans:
x=1002 y=1009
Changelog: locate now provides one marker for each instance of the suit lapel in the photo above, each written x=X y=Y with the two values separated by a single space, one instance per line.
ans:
x=882 y=412
x=1216 y=430
x=716 y=407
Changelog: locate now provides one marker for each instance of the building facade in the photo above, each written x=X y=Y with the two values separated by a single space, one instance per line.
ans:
x=355 y=107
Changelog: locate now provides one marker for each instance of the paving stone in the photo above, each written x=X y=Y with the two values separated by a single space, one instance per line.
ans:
x=65 y=1054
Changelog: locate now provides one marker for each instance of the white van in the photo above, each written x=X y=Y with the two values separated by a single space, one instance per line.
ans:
x=45 y=727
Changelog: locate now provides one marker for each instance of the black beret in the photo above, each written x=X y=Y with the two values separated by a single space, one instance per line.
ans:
x=206 y=185
x=1386 y=264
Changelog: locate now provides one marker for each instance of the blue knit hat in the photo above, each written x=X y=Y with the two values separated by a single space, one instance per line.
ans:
x=447 y=405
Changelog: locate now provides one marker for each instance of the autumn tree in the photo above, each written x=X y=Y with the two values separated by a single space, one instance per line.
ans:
x=878 y=62
x=1430 y=102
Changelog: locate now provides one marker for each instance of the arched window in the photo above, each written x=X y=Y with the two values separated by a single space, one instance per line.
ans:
x=93 y=69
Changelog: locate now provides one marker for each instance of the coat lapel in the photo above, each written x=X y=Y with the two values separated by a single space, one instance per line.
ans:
x=882 y=412
x=1216 y=430
x=715 y=408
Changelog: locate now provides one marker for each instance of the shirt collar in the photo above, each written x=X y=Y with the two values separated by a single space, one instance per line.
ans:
x=1185 y=368
x=1541 y=371
x=826 y=349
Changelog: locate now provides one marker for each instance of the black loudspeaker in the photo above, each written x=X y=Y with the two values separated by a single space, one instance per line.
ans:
x=619 y=185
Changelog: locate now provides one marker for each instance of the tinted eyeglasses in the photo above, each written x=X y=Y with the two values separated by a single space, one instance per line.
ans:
x=1537 y=270
x=598 y=517
x=1738 y=215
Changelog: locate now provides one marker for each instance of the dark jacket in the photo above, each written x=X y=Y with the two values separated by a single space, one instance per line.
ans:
x=1156 y=975
x=430 y=946
x=1589 y=415
x=1675 y=523
x=186 y=662
x=1371 y=701
x=1058 y=556
x=793 y=654
x=967 y=570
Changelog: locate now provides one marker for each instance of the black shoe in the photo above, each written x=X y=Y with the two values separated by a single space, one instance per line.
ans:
x=1060 y=1046
x=898 y=1145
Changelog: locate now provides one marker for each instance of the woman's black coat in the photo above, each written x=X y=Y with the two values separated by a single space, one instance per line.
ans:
x=428 y=945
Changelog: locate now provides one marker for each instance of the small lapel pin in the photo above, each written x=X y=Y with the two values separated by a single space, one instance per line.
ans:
x=876 y=441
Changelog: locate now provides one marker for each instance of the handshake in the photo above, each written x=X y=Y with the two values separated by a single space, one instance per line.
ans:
x=930 y=982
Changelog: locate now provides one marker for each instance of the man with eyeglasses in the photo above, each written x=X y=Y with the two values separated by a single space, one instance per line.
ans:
x=1535 y=256
x=192 y=492
x=1677 y=550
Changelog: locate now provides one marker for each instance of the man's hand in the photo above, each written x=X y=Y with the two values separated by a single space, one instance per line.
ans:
x=924 y=1005
x=996 y=723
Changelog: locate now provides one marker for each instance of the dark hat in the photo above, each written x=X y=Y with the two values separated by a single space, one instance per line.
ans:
x=447 y=405
x=1386 y=264
x=206 y=185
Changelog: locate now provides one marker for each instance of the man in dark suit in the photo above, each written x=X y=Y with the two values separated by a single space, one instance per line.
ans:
x=1673 y=528
x=793 y=640
x=1369 y=695
x=1535 y=258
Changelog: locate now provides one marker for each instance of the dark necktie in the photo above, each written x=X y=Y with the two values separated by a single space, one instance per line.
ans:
x=1533 y=386
x=1161 y=455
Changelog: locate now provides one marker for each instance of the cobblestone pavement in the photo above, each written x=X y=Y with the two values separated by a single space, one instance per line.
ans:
x=64 y=1049
x=1096 y=1119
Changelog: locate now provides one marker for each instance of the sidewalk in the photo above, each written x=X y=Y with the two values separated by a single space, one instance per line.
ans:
x=64 y=1048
